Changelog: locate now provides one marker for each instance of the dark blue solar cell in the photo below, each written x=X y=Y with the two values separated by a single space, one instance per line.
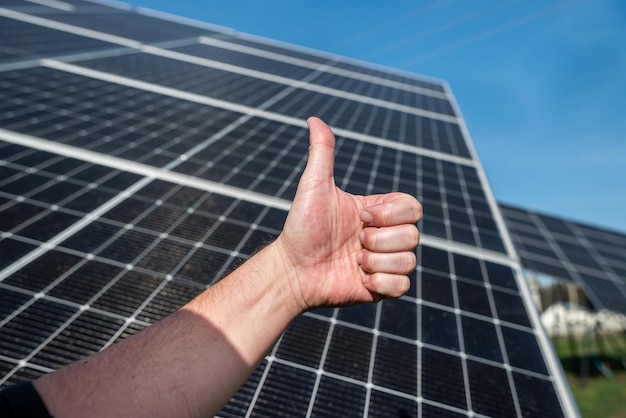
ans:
x=286 y=388
x=439 y=328
x=17 y=214
x=434 y=259
x=89 y=200
x=121 y=181
x=481 y=339
x=203 y=266
x=6 y=172
x=42 y=271
x=436 y=288
x=128 y=293
x=467 y=267
x=384 y=405
x=364 y=314
x=523 y=350
x=396 y=366
x=303 y=341
x=166 y=256
x=510 y=307
x=127 y=247
x=91 y=237
x=442 y=377
x=491 y=241
x=128 y=210
x=24 y=184
x=349 y=353
x=473 y=298
x=537 y=397
x=82 y=284
x=227 y=235
x=433 y=227
x=430 y=411
x=25 y=332
x=192 y=226
x=50 y=225
x=161 y=217
x=399 y=317
x=462 y=234
x=488 y=383
x=246 y=211
x=500 y=275
x=9 y=301
x=337 y=398
x=56 y=192
x=257 y=240
x=13 y=250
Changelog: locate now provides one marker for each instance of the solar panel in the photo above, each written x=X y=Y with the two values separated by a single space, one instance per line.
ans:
x=142 y=159
x=594 y=258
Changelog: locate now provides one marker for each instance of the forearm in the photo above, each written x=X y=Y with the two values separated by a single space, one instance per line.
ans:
x=189 y=364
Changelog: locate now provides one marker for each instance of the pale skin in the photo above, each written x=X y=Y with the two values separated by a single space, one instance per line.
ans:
x=336 y=249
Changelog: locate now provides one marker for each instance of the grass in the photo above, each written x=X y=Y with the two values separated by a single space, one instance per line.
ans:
x=596 y=395
x=600 y=397
x=608 y=345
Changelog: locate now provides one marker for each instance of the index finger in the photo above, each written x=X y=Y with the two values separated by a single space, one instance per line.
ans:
x=394 y=209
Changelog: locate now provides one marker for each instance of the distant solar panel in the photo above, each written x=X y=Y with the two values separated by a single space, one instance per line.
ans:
x=594 y=258
x=134 y=175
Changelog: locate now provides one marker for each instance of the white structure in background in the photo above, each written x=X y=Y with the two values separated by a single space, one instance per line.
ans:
x=563 y=319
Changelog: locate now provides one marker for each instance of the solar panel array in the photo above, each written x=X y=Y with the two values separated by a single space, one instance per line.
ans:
x=142 y=158
x=593 y=258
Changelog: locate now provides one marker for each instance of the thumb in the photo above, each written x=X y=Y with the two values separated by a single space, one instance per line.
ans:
x=321 y=163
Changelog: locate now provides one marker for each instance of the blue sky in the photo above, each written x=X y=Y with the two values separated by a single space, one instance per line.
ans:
x=541 y=83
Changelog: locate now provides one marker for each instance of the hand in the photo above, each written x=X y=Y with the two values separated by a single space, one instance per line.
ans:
x=339 y=249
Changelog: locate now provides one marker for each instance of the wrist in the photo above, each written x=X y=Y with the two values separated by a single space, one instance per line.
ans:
x=288 y=276
x=252 y=306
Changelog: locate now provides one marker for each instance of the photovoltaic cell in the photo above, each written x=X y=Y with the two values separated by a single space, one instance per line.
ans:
x=339 y=398
x=487 y=382
x=349 y=353
x=131 y=180
x=303 y=341
x=442 y=374
x=591 y=257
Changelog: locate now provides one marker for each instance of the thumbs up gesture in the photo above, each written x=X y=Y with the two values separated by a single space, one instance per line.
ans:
x=340 y=249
